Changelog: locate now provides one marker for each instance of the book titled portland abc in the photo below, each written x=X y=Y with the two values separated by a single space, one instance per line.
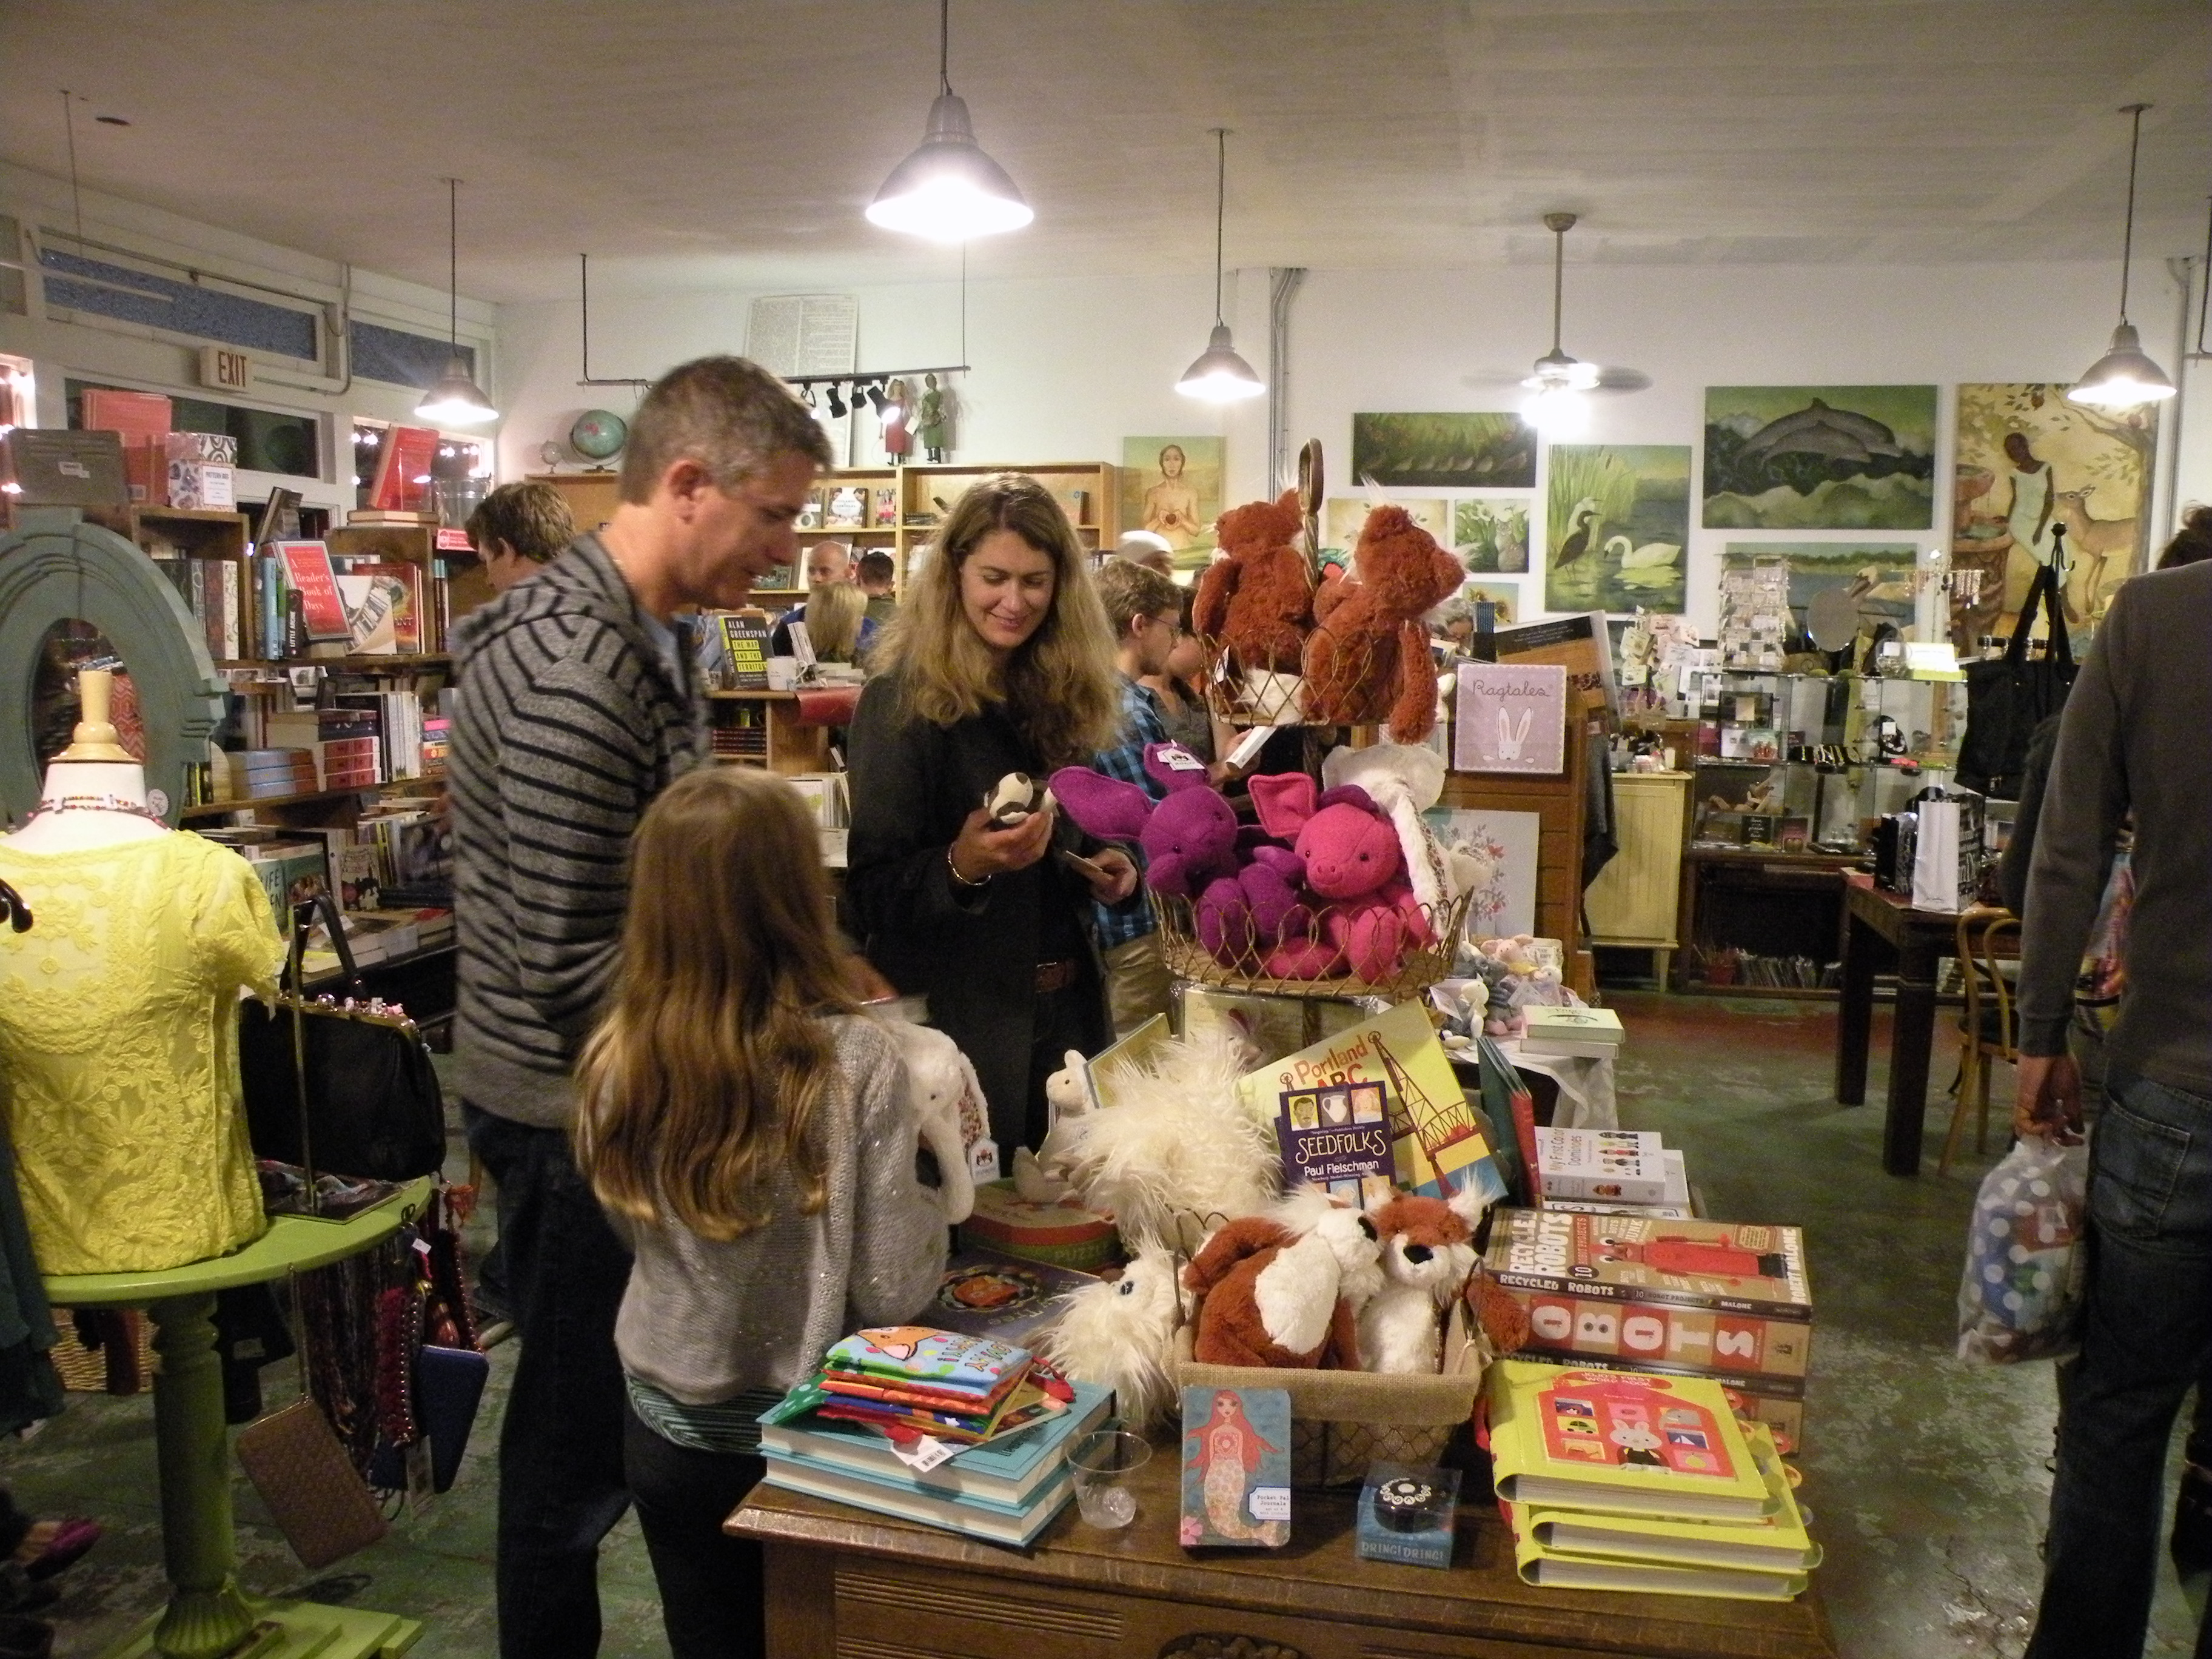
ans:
x=1727 y=1297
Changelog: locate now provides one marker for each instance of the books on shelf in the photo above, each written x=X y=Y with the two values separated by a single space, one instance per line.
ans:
x=308 y=573
x=1620 y=1443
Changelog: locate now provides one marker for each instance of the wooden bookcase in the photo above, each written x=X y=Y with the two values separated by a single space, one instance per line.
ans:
x=1560 y=802
x=923 y=493
x=466 y=587
x=771 y=735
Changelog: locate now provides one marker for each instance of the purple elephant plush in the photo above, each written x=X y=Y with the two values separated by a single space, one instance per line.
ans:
x=1242 y=896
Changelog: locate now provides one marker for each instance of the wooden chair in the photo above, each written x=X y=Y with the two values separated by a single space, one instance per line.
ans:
x=1986 y=1028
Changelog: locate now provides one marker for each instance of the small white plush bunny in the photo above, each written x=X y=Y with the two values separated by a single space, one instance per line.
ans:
x=947 y=1099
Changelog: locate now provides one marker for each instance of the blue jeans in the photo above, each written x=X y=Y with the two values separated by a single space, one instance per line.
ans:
x=560 y=1485
x=2147 y=1333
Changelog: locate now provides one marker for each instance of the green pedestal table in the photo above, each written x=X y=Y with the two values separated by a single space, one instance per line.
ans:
x=208 y=1617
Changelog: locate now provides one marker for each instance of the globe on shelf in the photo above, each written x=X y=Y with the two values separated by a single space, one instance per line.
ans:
x=599 y=434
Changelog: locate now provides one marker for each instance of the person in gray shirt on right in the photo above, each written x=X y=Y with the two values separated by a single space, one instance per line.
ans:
x=2136 y=738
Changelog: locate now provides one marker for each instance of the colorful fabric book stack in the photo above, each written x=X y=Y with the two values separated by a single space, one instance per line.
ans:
x=932 y=1426
x=1619 y=1481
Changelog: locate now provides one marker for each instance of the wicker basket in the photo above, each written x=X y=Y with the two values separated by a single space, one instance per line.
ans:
x=1418 y=967
x=1342 y=1421
x=1263 y=696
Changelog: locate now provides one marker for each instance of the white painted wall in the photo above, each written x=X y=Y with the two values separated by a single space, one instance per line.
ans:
x=1063 y=369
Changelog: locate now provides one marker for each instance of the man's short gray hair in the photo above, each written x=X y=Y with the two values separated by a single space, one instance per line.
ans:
x=730 y=415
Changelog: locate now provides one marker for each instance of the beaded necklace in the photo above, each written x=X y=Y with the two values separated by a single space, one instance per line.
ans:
x=94 y=803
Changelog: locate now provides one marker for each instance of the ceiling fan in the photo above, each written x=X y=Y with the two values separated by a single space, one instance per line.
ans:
x=1555 y=372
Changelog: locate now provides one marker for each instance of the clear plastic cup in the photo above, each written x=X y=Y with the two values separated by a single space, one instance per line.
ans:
x=1103 y=1460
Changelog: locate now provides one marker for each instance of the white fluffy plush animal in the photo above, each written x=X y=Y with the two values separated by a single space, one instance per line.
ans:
x=947 y=1099
x=1176 y=1142
x=1120 y=1335
x=1039 y=1177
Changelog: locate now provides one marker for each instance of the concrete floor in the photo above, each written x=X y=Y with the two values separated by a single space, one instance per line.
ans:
x=1927 y=1479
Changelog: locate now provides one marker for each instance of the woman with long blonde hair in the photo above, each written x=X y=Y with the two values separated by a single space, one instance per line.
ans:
x=835 y=613
x=747 y=1130
x=1001 y=660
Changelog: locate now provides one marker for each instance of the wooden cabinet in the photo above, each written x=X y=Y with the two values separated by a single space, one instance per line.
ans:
x=1636 y=899
x=1089 y=490
x=762 y=728
x=445 y=601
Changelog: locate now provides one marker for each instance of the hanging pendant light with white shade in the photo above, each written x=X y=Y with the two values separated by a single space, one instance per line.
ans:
x=949 y=191
x=2125 y=377
x=456 y=399
x=1219 y=375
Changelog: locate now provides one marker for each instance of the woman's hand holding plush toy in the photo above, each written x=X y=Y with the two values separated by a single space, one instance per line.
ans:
x=982 y=851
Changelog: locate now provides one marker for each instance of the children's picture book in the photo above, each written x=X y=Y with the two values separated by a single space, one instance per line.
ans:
x=1437 y=1142
x=1510 y=717
x=1775 y=1543
x=847 y=507
x=1337 y=1137
x=884 y=514
x=1236 y=1468
x=1620 y=1442
x=1000 y=1297
x=1539 y=1564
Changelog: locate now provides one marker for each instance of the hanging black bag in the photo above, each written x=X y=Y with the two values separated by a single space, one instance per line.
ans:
x=2008 y=699
x=371 y=1105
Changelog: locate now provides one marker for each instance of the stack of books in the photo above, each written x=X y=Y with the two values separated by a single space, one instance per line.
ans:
x=1726 y=1301
x=1577 y=1033
x=1005 y=1491
x=1622 y=1482
x=949 y=1430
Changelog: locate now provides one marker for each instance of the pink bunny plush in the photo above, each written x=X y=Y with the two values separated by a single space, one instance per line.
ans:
x=1241 y=895
x=1366 y=915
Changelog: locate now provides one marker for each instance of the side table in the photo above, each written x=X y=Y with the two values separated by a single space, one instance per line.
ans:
x=208 y=1617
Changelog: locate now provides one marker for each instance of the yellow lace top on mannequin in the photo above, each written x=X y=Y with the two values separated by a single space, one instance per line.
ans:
x=119 y=1050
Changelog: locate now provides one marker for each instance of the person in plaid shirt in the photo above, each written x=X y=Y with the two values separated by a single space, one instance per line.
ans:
x=1145 y=610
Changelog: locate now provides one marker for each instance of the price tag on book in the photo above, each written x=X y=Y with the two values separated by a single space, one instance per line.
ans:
x=922 y=1453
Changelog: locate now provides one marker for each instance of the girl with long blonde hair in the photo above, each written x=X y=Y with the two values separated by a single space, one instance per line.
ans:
x=1001 y=660
x=746 y=1129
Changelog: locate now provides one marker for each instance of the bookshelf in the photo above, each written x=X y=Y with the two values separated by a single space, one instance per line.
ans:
x=762 y=728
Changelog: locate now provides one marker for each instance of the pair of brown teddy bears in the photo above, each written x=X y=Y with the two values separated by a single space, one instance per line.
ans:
x=1359 y=644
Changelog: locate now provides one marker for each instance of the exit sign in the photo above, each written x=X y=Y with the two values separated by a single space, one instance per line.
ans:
x=225 y=369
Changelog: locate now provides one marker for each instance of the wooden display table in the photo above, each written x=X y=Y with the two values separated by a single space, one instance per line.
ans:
x=846 y=1584
x=1881 y=928
x=208 y=1615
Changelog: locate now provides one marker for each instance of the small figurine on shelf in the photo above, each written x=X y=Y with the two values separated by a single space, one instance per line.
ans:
x=935 y=424
x=899 y=436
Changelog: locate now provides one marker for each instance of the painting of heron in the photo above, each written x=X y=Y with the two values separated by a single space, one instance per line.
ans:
x=1617 y=527
x=1819 y=458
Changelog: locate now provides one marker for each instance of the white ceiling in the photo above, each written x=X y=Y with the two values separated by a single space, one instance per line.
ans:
x=734 y=142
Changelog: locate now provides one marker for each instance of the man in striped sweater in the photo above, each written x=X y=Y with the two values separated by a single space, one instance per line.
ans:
x=577 y=706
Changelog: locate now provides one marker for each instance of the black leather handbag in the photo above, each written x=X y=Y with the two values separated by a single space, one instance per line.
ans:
x=2008 y=699
x=335 y=1085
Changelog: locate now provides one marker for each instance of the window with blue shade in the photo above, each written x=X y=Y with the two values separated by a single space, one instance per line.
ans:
x=130 y=295
x=402 y=359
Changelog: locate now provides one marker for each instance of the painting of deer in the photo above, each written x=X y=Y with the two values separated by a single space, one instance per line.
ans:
x=2098 y=550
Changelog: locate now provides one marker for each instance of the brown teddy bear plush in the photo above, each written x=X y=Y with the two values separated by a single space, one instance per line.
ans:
x=1259 y=600
x=1368 y=657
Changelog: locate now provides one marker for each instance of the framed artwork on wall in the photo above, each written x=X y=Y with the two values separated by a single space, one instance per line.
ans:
x=1172 y=487
x=1819 y=457
x=1616 y=527
x=1443 y=451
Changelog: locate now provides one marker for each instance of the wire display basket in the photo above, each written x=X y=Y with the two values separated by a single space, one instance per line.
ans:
x=1256 y=697
x=1422 y=955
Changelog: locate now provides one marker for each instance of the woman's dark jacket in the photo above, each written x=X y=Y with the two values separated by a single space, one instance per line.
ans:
x=974 y=955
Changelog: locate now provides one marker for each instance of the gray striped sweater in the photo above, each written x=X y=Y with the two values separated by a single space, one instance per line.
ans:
x=568 y=725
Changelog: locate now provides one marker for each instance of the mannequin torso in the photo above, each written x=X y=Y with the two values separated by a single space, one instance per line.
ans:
x=73 y=814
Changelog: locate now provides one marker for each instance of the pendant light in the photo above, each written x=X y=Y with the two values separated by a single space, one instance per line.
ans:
x=2124 y=377
x=949 y=190
x=456 y=400
x=1219 y=375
